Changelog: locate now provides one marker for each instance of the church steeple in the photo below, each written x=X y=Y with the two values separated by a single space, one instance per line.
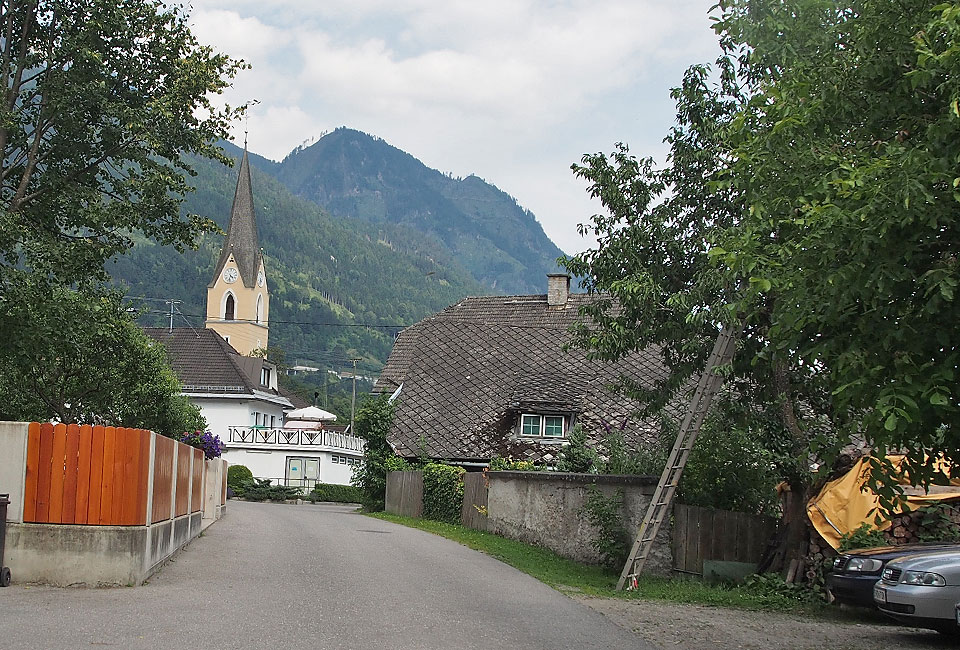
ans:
x=242 y=241
x=239 y=311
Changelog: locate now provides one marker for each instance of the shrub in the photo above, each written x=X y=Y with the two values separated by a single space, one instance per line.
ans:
x=335 y=493
x=773 y=589
x=442 y=492
x=262 y=490
x=576 y=456
x=612 y=541
x=237 y=476
x=865 y=536
x=498 y=463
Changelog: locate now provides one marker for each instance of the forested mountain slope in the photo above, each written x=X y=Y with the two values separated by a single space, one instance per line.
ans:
x=353 y=174
x=327 y=277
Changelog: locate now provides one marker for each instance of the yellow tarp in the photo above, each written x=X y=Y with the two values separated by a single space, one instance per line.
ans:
x=842 y=506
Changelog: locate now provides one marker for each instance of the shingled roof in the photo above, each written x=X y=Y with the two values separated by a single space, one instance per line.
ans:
x=469 y=371
x=205 y=363
x=242 y=241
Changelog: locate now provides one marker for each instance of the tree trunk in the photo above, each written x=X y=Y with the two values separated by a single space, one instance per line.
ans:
x=793 y=535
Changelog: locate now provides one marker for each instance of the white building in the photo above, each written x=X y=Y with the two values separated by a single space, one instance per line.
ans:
x=239 y=395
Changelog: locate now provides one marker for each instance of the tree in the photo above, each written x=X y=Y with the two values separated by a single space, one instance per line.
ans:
x=810 y=198
x=100 y=103
x=847 y=157
x=79 y=357
x=658 y=286
x=372 y=423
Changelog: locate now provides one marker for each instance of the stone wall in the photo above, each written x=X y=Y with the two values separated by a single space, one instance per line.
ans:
x=546 y=508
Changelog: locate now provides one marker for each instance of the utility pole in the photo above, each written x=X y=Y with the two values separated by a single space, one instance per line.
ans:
x=353 y=400
x=173 y=306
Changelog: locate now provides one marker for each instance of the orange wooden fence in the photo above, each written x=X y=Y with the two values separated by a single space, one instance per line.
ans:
x=164 y=451
x=81 y=474
x=86 y=475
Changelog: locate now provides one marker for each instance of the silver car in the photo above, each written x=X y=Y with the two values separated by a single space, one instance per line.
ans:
x=922 y=590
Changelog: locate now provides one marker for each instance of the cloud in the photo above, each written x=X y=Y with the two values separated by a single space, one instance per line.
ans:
x=512 y=90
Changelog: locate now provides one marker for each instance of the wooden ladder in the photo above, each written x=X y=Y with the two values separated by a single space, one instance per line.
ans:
x=659 y=508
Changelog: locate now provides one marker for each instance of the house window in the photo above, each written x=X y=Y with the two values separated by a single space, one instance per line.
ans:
x=542 y=426
x=265 y=376
x=530 y=426
x=553 y=426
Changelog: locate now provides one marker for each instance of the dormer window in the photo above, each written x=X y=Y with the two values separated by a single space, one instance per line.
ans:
x=536 y=425
x=265 y=376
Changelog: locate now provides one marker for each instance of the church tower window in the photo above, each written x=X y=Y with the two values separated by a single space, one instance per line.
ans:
x=230 y=308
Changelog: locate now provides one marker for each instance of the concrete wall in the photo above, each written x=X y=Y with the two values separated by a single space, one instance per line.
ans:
x=94 y=556
x=13 y=466
x=546 y=508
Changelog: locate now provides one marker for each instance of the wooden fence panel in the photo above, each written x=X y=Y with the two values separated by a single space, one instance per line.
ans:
x=106 y=482
x=86 y=475
x=33 y=469
x=702 y=534
x=44 y=472
x=164 y=451
x=196 y=496
x=405 y=493
x=84 y=469
x=183 y=479
x=96 y=474
x=71 y=470
x=473 y=514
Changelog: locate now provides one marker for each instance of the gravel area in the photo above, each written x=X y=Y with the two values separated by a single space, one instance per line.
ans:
x=697 y=627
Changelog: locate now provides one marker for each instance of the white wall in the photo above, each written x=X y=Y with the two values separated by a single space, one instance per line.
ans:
x=222 y=413
x=273 y=463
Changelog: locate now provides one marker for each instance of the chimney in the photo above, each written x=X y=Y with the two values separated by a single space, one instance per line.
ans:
x=558 y=288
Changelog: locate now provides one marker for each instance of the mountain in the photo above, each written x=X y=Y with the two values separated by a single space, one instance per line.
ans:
x=392 y=243
x=339 y=288
x=352 y=174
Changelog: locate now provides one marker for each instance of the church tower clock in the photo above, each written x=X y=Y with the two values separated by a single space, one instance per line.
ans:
x=238 y=303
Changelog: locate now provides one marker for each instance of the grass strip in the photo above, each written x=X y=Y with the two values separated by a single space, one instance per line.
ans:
x=570 y=576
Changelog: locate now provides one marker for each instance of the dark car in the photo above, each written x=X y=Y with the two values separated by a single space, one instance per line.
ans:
x=855 y=572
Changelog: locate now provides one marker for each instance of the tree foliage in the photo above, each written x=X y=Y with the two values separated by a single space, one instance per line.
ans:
x=811 y=199
x=79 y=357
x=847 y=155
x=372 y=423
x=100 y=101
x=100 y=104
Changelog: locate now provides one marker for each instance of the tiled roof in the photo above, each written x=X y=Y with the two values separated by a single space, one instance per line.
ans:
x=241 y=240
x=205 y=363
x=469 y=371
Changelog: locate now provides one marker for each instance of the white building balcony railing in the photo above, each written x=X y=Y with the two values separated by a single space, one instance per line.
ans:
x=266 y=437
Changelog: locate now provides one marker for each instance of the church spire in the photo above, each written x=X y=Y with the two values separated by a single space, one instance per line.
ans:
x=242 y=241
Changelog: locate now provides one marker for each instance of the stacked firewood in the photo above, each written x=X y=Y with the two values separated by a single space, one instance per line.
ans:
x=906 y=528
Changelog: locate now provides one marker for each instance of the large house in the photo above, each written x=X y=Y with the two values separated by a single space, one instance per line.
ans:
x=491 y=376
x=237 y=391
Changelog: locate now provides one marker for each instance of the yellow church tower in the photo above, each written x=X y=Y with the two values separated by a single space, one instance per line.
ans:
x=238 y=303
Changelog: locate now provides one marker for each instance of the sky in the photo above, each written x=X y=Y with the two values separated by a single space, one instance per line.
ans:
x=513 y=91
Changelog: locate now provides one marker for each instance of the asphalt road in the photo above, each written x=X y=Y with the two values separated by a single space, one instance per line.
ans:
x=312 y=576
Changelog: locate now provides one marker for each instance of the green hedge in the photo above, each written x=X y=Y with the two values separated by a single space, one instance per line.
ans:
x=262 y=490
x=237 y=477
x=442 y=492
x=336 y=493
